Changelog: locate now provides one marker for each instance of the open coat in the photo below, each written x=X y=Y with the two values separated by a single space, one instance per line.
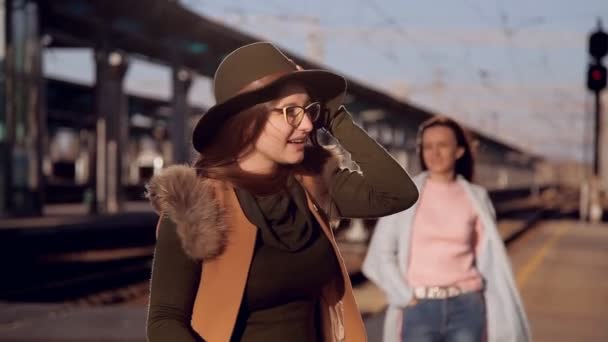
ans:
x=388 y=257
x=213 y=229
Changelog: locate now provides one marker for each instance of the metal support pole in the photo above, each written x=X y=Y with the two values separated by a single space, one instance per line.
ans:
x=111 y=131
x=180 y=137
x=25 y=119
x=598 y=133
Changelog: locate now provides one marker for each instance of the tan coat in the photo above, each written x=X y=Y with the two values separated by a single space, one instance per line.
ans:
x=213 y=228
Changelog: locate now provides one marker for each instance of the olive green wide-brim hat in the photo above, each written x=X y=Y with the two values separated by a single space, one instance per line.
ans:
x=254 y=74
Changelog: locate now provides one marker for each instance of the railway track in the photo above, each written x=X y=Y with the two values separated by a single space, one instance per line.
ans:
x=101 y=282
x=116 y=276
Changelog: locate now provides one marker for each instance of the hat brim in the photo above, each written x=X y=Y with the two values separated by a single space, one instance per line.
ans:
x=325 y=86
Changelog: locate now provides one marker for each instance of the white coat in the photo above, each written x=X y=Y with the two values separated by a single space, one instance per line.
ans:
x=387 y=261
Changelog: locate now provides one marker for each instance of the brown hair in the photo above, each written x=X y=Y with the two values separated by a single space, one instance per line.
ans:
x=234 y=138
x=465 y=164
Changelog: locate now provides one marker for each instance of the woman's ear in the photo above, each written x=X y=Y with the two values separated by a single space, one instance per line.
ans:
x=459 y=152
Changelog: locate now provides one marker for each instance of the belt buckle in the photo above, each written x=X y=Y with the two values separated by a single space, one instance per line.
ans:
x=437 y=292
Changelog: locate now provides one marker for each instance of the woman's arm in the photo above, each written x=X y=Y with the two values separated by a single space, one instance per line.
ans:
x=175 y=279
x=382 y=187
x=381 y=264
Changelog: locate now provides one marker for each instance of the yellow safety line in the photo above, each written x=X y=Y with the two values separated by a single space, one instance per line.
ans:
x=524 y=274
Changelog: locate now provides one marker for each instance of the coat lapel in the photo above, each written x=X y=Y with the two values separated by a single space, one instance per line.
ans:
x=343 y=321
x=223 y=278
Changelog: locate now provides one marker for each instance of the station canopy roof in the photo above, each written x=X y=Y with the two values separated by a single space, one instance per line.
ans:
x=166 y=32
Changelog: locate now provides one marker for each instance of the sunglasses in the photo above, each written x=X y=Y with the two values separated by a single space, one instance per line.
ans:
x=294 y=115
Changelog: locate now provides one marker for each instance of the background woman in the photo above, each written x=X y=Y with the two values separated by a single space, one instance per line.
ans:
x=442 y=263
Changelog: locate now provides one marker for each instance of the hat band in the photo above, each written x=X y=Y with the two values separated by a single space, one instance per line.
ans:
x=262 y=82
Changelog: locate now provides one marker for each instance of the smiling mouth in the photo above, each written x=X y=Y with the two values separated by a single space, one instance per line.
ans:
x=297 y=141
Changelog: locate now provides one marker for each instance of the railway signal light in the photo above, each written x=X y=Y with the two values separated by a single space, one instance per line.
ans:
x=598 y=44
x=596 y=77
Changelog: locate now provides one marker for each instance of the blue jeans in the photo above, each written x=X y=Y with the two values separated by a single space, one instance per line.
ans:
x=456 y=319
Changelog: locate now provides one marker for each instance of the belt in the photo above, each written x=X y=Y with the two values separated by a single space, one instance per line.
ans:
x=438 y=292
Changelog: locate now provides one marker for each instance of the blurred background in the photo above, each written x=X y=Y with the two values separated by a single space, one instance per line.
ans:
x=98 y=96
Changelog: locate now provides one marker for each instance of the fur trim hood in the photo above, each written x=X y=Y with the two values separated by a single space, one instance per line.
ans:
x=177 y=193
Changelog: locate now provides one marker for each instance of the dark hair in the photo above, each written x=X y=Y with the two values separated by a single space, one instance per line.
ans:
x=465 y=164
x=234 y=138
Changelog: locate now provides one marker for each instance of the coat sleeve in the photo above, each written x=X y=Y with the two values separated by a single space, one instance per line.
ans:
x=381 y=187
x=175 y=279
x=381 y=264
x=489 y=205
x=505 y=280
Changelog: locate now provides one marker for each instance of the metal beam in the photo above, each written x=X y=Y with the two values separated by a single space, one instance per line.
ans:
x=25 y=119
x=111 y=132
x=180 y=135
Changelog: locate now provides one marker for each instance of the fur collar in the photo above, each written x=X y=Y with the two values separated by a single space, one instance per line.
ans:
x=191 y=202
x=178 y=194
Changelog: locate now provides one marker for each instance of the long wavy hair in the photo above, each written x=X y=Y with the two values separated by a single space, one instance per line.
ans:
x=465 y=164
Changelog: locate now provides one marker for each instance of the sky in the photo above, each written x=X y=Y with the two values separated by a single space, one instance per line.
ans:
x=511 y=69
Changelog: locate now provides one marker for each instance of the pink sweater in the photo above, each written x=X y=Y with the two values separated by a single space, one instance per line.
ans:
x=446 y=232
